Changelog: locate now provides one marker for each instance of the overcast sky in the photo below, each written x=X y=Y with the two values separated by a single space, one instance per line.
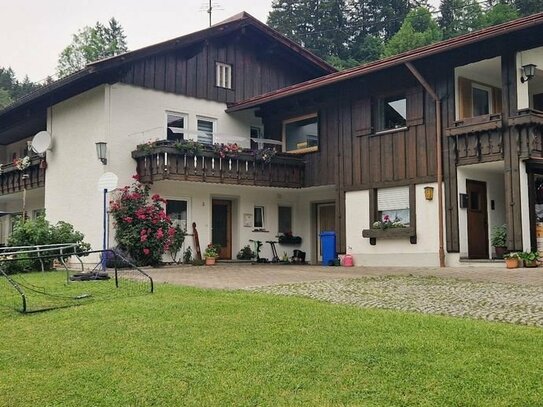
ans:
x=34 y=32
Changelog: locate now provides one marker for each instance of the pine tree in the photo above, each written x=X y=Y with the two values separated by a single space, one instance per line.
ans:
x=460 y=17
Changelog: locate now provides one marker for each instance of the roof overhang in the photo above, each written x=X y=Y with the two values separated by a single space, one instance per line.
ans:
x=400 y=59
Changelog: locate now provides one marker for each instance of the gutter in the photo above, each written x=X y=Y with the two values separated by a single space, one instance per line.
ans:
x=439 y=164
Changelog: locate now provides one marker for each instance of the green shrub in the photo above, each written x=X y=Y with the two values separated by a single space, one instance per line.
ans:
x=39 y=231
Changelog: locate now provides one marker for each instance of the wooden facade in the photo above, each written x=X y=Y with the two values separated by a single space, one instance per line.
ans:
x=353 y=156
x=191 y=71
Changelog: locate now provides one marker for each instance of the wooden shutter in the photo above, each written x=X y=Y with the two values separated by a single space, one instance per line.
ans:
x=496 y=100
x=415 y=107
x=464 y=98
x=361 y=112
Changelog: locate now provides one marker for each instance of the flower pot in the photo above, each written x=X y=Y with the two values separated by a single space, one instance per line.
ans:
x=511 y=263
x=210 y=261
x=500 y=251
x=530 y=263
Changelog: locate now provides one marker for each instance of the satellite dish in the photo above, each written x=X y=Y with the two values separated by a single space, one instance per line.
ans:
x=108 y=181
x=41 y=142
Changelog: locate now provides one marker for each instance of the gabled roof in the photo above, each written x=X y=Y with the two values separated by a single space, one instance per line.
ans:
x=96 y=72
x=409 y=56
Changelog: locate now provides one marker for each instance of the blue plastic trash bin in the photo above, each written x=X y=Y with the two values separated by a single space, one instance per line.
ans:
x=328 y=247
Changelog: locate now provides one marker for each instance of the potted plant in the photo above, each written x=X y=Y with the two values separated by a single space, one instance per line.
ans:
x=511 y=260
x=530 y=259
x=499 y=240
x=211 y=253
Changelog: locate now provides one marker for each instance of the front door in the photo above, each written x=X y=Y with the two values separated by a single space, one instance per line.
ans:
x=221 y=224
x=477 y=220
x=326 y=222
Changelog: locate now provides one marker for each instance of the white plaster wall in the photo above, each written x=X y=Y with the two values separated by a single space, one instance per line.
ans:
x=244 y=200
x=396 y=252
x=73 y=170
x=493 y=175
x=525 y=90
x=525 y=206
x=13 y=203
x=123 y=116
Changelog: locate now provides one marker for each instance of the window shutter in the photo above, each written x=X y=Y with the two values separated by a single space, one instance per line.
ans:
x=415 y=107
x=392 y=198
x=496 y=100
x=464 y=98
x=361 y=112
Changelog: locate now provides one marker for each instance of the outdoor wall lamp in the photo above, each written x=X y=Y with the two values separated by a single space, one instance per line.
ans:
x=429 y=193
x=528 y=72
x=101 y=151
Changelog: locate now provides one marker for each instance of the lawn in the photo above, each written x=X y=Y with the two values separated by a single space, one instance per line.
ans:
x=185 y=346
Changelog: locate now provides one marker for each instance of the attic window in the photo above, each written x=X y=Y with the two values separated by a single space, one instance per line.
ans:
x=224 y=75
x=392 y=113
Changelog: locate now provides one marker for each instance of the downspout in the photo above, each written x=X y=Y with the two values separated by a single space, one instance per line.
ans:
x=439 y=164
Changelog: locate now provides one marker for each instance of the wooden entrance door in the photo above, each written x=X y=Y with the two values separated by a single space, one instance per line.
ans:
x=477 y=220
x=326 y=222
x=221 y=226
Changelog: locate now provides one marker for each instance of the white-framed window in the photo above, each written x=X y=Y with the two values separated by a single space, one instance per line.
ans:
x=392 y=112
x=178 y=211
x=224 y=75
x=206 y=128
x=176 y=124
x=284 y=216
x=393 y=204
x=301 y=134
x=481 y=97
x=258 y=218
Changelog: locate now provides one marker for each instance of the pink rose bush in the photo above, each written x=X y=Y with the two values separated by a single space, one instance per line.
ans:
x=142 y=227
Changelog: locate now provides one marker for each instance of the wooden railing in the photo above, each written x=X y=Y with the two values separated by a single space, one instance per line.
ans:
x=166 y=162
x=14 y=180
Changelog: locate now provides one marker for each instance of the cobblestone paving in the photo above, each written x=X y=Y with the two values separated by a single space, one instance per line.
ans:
x=519 y=304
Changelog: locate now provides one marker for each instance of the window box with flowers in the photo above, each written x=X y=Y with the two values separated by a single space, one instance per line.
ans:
x=392 y=214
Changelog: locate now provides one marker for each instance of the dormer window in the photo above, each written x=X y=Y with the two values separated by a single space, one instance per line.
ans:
x=224 y=75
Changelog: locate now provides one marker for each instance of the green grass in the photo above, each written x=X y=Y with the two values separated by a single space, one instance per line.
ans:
x=184 y=346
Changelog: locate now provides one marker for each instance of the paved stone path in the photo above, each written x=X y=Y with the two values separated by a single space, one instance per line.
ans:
x=239 y=276
x=495 y=294
x=513 y=303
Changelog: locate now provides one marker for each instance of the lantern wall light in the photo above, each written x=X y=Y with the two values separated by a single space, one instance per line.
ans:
x=101 y=151
x=528 y=72
x=429 y=193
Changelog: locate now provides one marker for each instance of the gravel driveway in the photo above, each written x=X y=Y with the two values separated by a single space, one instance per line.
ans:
x=512 y=303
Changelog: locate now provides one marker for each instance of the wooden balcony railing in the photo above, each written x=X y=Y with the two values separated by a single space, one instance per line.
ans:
x=14 y=180
x=166 y=162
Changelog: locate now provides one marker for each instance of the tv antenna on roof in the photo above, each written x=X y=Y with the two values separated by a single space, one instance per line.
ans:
x=208 y=7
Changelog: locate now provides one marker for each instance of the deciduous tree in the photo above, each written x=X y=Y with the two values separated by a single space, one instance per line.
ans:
x=91 y=44
x=418 y=29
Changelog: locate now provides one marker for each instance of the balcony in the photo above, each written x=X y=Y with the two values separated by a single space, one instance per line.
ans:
x=13 y=179
x=166 y=160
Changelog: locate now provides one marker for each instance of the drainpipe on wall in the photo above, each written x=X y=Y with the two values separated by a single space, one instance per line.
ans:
x=437 y=101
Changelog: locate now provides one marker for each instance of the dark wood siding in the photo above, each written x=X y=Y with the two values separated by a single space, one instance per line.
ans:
x=191 y=72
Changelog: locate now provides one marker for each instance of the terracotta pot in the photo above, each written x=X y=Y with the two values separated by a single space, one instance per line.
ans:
x=210 y=261
x=511 y=263
x=530 y=263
